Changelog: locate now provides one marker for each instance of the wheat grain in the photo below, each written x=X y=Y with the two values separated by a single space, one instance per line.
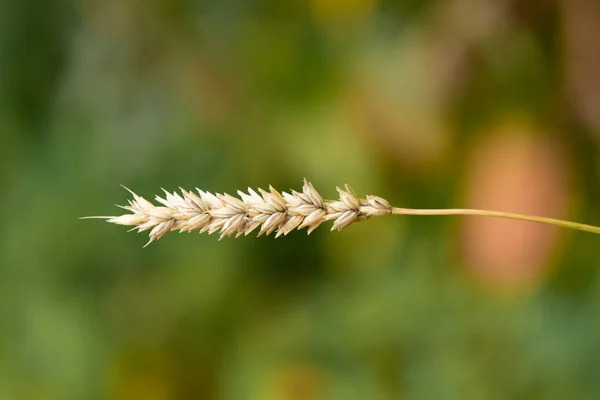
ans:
x=272 y=211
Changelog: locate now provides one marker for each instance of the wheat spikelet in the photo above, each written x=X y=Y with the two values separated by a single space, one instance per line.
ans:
x=270 y=211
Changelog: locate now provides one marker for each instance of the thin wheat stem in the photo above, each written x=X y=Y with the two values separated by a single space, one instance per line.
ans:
x=497 y=214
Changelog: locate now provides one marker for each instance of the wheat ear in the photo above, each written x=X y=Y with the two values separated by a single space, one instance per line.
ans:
x=272 y=211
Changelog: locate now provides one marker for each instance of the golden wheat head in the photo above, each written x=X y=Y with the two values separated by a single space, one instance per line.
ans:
x=269 y=211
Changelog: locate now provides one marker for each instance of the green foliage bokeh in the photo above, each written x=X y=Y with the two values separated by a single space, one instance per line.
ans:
x=389 y=97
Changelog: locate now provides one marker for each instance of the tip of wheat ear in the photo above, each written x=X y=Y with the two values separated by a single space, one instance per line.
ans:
x=269 y=211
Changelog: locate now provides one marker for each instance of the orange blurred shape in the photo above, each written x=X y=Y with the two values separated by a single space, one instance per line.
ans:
x=296 y=382
x=515 y=170
x=331 y=11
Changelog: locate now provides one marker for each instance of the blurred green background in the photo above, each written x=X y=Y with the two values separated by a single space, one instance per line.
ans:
x=455 y=103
